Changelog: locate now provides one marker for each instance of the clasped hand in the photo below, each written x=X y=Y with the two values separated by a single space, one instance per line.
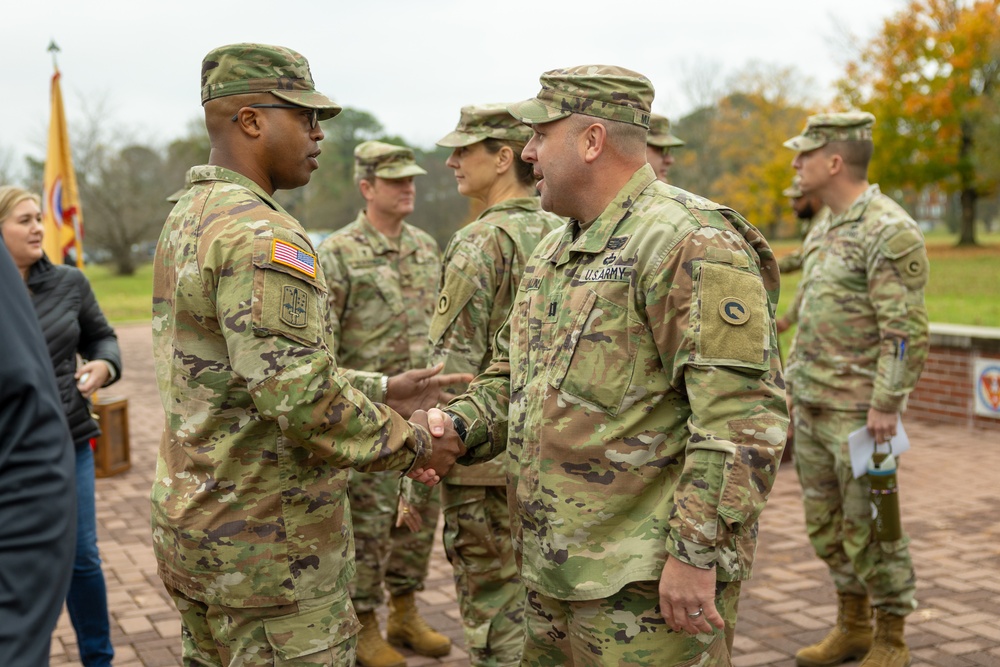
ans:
x=421 y=389
x=447 y=446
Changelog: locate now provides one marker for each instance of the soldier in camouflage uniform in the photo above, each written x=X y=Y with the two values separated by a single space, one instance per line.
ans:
x=659 y=144
x=482 y=267
x=861 y=343
x=248 y=506
x=636 y=389
x=383 y=275
x=808 y=210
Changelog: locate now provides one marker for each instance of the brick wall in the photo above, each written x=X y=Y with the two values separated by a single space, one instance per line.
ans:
x=945 y=391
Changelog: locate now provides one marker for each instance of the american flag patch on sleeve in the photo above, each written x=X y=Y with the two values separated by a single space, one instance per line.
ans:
x=289 y=255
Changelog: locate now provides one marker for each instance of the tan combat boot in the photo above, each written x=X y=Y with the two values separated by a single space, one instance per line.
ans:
x=850 y=639
x=372 y=649
x=889 y=649
x=408 y=628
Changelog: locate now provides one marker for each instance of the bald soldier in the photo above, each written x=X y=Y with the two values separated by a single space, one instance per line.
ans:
x=660 y=143
x=861 y=343
x=250 y=529
x=383 y=275
x=636 y=389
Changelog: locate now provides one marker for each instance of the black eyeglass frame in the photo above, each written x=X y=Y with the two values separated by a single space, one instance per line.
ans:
x=313 y=117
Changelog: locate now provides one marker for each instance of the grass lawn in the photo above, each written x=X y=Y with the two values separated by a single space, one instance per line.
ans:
x=123 y=299
x=964 y=286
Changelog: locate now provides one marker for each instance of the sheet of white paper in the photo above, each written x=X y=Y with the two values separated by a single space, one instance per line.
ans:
x=862 y=446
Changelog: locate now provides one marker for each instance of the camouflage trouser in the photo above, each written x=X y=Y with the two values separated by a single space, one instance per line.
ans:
x=396 y=556
x=624 y=630
x=839 y=515
x=310 y=633
x=490 y=593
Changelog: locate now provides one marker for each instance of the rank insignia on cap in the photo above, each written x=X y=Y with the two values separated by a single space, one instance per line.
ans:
x=293 y=257
x=734 y=311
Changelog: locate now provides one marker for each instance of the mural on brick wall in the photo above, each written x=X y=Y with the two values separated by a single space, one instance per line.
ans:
x=987 y=376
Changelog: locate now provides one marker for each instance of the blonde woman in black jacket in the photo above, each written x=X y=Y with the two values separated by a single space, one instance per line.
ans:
x=73 y=325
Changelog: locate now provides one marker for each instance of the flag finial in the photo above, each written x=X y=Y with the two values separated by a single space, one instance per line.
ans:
x=54 y=49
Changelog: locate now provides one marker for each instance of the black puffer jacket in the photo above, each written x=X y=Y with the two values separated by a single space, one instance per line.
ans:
x=72 y=323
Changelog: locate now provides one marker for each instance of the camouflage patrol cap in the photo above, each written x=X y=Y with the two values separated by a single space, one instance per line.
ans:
x=375 y=158
x=794 y=191
x=823 y=128
x=659 y=133
x=239 y=69
x=485 y=121
x=604 y=91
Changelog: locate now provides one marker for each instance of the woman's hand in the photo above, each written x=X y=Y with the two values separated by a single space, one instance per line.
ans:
x=92 y=376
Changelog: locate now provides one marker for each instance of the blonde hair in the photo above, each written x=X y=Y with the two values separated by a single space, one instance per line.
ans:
x=11 y=196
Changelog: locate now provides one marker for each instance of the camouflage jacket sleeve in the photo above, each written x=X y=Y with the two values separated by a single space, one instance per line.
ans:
x=338 y=282
x=484 y=406
x=719 y=347
x=897 y=273
x=290 y=374
x=791 y=262
x=473 y=292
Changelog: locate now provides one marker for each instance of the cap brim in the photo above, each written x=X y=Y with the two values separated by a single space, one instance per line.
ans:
x=176 y=196
x=533 y=111
x=804 y=144
x=400 y=172
x=310 y=99
x=457 y=139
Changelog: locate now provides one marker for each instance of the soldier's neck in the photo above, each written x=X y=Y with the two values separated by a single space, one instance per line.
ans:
x=388 y=226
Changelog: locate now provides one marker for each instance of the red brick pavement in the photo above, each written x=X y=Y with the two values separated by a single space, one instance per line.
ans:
x=949 y=487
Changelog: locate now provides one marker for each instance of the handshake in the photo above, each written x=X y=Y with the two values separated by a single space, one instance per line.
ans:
x=447 y=446
x=412 y=393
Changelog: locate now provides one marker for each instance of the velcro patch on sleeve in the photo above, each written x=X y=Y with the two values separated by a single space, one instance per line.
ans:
x=286 y=254
x=734 y=319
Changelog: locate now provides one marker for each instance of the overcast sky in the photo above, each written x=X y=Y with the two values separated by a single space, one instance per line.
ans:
x=412 y=63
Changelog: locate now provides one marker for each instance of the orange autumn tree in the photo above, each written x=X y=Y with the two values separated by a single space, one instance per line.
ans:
x=932 y=79
x=734 y=153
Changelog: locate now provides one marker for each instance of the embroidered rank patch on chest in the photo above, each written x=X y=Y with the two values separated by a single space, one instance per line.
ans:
x=289 y=255
x=294 y=306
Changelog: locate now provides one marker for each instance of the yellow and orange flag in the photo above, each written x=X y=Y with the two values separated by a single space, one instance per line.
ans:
x=61 y=213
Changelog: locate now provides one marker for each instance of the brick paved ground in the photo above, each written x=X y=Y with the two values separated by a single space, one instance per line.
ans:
x=949 y=483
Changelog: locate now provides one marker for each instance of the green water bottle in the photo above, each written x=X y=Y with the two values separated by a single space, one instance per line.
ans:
x=884 y=496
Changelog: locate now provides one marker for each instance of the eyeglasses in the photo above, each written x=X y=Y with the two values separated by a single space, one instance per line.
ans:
x=313 y=113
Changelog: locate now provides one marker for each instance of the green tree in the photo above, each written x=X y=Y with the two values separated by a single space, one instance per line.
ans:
x=931 y=78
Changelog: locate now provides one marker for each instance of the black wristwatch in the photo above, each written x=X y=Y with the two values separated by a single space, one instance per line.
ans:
x=459 y=424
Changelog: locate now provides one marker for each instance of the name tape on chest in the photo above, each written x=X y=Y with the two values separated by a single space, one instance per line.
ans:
x=293 y=257
x=606 y=274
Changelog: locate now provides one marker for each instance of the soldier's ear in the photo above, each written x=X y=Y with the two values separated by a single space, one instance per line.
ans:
x=504 y=159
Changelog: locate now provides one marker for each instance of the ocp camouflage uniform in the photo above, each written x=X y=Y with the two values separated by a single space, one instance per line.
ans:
x=248 y=503
x=482 y=266
x=862 y=341
x=638 y=394
x=381 y=299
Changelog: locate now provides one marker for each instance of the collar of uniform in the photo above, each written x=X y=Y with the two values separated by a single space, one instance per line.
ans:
x=520 y=203
x=856 y=210
x=210 y=172
x=379 y=243
x=594 y=237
